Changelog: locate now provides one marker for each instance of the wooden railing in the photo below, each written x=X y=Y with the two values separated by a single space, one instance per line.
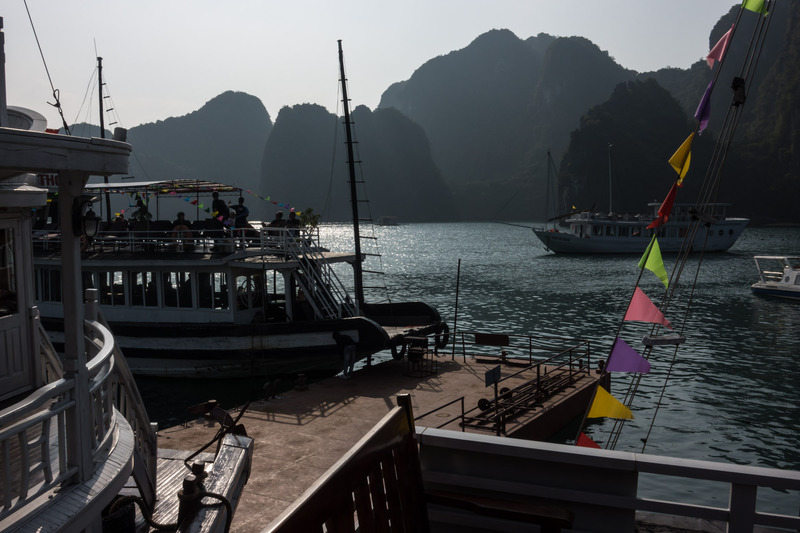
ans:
x=36 y=434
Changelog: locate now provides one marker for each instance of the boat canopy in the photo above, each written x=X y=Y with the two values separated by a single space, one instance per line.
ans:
x=179 y=186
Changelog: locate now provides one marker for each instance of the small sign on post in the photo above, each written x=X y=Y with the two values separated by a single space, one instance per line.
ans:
x=492 y=376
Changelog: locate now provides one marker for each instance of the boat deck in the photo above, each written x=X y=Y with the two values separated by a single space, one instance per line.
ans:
x=302 y=433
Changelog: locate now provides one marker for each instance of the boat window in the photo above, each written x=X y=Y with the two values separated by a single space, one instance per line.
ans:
x=597 y=230
x=250 y=291
x=112 y=291
x=144 y=291
x=623 y=231
x=8 y=279
x=611 y=231
x=212 y=290
x=177 y=289
x=682 y=232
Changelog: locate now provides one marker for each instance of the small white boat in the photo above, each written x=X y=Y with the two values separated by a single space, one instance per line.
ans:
x=778 y=276
x=602 y=233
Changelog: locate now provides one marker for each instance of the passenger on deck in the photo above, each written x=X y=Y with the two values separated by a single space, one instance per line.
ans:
x=277 y=222
x=293 y=221
x=241 y=214
x=347 y=348
x=181 y=232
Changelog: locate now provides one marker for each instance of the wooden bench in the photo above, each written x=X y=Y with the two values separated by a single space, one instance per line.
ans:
x=378 y=486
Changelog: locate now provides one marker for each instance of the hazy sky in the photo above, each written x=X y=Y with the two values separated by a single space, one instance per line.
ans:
x=169 y=57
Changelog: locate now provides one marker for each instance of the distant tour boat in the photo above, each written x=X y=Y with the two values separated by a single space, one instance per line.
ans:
x=778 y=276
x=387 y=221
x=601 y=233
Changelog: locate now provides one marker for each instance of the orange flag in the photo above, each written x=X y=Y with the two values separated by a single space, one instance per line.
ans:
x=641 y=309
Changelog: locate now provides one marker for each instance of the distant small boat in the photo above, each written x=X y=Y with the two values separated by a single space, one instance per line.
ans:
x=387 y=221
x=778 y=276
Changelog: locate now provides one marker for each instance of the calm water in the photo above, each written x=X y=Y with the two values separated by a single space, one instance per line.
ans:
x=734 y=391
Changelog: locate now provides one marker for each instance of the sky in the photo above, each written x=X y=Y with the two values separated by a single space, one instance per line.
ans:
x=164 y=58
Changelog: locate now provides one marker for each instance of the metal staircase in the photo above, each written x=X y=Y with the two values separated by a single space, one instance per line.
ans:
x=324 y=291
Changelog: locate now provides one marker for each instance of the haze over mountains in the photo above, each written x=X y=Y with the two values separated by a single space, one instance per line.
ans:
x=466 y=136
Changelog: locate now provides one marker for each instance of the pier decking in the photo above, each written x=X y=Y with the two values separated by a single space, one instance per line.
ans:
x=301 y=434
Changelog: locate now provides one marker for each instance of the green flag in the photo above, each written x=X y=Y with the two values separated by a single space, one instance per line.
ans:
x=759 y=6
x=651 y=260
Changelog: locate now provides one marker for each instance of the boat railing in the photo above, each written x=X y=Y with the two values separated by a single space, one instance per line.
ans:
x=157 y=238
x=40 y=441
x=557 y=362
x=533 y=349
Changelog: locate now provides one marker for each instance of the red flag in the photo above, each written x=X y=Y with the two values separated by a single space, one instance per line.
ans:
x=586 y=442
x=665 y=209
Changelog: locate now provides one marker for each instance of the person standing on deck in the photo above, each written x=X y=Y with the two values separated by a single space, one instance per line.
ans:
x=347 y=348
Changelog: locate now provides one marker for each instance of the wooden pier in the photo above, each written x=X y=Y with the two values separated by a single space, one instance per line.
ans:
x=300 y=434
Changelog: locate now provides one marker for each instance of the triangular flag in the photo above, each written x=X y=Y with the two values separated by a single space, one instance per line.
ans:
x=193 y=202
x=605 y=405
x=703 y=112
x=718 y=52
x=641 y=309
x=585 y=441
x=666 y=208
x=652 y=261
x=759 y=6
x=682 y=157
x=623 y=358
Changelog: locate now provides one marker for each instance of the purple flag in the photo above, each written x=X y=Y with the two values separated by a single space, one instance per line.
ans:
x=623 y=358
x=704 y=108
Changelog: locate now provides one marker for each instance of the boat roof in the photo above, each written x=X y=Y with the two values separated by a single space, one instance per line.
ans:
x=183 y=186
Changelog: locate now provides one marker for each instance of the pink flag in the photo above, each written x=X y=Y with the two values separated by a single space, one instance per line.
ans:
x=718 y=52
x=623 y=358
x=641 y=309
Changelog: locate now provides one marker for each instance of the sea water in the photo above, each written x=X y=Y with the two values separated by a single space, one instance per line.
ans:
x=733 y=393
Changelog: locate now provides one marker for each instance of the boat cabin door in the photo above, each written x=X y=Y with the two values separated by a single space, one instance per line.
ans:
x=18 y=353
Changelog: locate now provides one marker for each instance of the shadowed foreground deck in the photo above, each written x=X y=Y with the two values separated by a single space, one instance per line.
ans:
x=301 y=434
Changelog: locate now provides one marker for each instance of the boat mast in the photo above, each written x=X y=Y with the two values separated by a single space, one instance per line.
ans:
x=357 y=267
x=103 y=128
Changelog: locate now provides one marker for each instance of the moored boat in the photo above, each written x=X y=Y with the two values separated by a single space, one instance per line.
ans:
x=76 y=446
x=610 y=233
x=778 y=276
x=214 y=302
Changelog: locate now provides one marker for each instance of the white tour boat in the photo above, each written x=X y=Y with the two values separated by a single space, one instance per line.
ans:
x=602 y=233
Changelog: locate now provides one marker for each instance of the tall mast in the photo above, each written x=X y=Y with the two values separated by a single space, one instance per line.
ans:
x=102 y=127
x=357 y=267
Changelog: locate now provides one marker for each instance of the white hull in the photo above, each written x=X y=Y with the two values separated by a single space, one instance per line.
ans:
x=779 y=277
x=590 y=233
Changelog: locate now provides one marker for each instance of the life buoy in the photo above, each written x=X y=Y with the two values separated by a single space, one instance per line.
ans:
x=442 y=335
x=399 y=351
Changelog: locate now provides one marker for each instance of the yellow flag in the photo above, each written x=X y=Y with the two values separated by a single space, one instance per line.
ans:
x=652 y=261
x=682 y=157
x=605 y=405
